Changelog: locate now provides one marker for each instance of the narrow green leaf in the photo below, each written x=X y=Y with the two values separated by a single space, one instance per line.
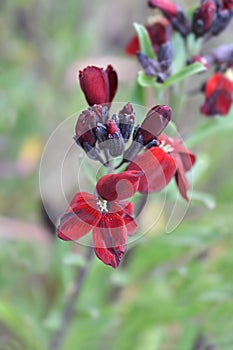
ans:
x=184 y=73
x=144 y=40
x=145 y=80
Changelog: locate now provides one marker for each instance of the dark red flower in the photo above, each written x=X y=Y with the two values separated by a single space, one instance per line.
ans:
x=106 y=214
x=166 y=6
x=98 y=85
x=227 y=5
x=174 y=13
x=161 y=164
x=204 y=17
x=160 y=32
x=218 y=95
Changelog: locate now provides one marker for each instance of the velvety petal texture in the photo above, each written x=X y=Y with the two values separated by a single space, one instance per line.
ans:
x=158 y=169
x=98 y=85
x=126 y=214
x=187 y=157
x=115 y=187
x=81 y=216
x=161 y=164
x=110 y=239
x=181 y=180
x=218 y=94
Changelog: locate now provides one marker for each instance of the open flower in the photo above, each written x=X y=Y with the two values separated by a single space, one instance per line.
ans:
x=98 y=85
x=161 y=164
x=107 y=214
x=218 y=95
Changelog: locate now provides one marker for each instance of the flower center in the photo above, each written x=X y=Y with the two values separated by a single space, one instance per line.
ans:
x=166 y=147
x=102 y=205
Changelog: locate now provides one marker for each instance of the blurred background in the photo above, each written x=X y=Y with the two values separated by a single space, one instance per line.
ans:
x=173 y=291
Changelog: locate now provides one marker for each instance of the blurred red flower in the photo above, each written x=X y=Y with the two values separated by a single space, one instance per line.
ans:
x=218 y=95
x=204 y=17
x=160 y=32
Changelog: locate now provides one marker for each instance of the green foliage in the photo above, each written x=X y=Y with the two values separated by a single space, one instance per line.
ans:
x=169 y=288
x=144 y=40
x=184 y=73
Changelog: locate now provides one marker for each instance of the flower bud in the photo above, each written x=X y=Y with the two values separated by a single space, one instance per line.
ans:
x=155 y=122
x=204 y=17
x=98 y=85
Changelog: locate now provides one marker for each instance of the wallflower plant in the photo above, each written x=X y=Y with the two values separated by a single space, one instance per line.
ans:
x=141 y=159
x=104 y=137
x=150 y=159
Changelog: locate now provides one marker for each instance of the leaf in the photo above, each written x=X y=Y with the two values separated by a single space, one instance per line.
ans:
x=20 y=326
x=194 y=68
x=184 y=73
x=144 y=40
x=189 y=335
x=145 y=80
x=179 y=59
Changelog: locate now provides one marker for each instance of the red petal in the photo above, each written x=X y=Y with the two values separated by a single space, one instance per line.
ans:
x=112 y=82
x=126 y=210
x=188 y=158
x=129 y=208
x=181 y=179
x=155 y=122
x=133 y=46
x=110 y=239
x=158 y=168
x=167 y=7
x=85 y=127
x=98 y=85
x=114 y=187
x=218 y=92
x=130 y=224
x=228 y=4
x=159 y=33
x=220 y=82
x=81 y=216
x=206 y=13
x=200 y=59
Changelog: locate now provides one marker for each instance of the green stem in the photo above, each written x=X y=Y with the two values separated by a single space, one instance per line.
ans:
x=69 y=310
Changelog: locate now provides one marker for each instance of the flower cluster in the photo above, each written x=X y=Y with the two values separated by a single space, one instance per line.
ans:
x=211 y=18
x=152 y=158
